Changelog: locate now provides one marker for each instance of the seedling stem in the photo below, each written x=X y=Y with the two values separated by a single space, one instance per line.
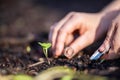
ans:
x=45 y=47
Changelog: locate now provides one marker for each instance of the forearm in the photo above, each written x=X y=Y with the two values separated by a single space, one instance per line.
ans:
x=110 y=12
x=113 y=6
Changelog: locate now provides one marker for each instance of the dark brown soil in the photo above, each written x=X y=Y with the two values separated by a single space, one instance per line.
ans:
x=15 y=59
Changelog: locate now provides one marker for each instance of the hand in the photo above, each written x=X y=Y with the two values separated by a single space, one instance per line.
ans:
x=90 y=27
x=113 y=40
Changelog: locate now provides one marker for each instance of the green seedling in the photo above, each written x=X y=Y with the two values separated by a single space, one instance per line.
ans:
x=45 y=47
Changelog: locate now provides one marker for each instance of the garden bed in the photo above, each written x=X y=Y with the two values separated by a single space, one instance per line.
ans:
x=17 y=59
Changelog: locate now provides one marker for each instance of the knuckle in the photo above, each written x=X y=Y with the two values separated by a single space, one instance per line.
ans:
x=117 y=24
x=113 y=22
x=61 y=31
x=55 y=29
x=107 y=38
x=53 y=26
x=72 y=13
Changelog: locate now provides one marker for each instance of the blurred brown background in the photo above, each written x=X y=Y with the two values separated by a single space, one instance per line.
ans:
x=21 y=17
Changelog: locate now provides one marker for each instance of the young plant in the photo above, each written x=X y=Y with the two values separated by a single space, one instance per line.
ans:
x=45 y=47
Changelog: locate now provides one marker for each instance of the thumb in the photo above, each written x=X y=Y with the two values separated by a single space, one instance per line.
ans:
x=77 y=45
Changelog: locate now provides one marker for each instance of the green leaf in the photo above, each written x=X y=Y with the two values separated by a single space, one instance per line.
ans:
x=45 y=45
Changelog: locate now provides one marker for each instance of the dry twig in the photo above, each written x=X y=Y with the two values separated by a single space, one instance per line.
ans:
x=35 y=64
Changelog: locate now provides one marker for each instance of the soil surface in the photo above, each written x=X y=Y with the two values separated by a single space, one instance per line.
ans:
x=16 y=59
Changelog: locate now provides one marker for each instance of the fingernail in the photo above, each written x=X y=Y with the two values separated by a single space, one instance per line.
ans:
x=101 y=49
x=104 y=49
x=68 y=52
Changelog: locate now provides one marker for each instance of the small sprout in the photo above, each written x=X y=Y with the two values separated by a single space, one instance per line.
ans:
x=45 y=47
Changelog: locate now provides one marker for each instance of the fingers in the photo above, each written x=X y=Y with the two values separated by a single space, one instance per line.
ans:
x=69 y=40
x=80 y=43
x=55 y=28
x=107 y=40
x=51 y=32
x=112 y=40
x=114 y=52
x=62 y=36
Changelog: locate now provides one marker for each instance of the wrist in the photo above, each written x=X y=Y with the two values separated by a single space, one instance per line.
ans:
x=110 y=13
x=106 y=19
